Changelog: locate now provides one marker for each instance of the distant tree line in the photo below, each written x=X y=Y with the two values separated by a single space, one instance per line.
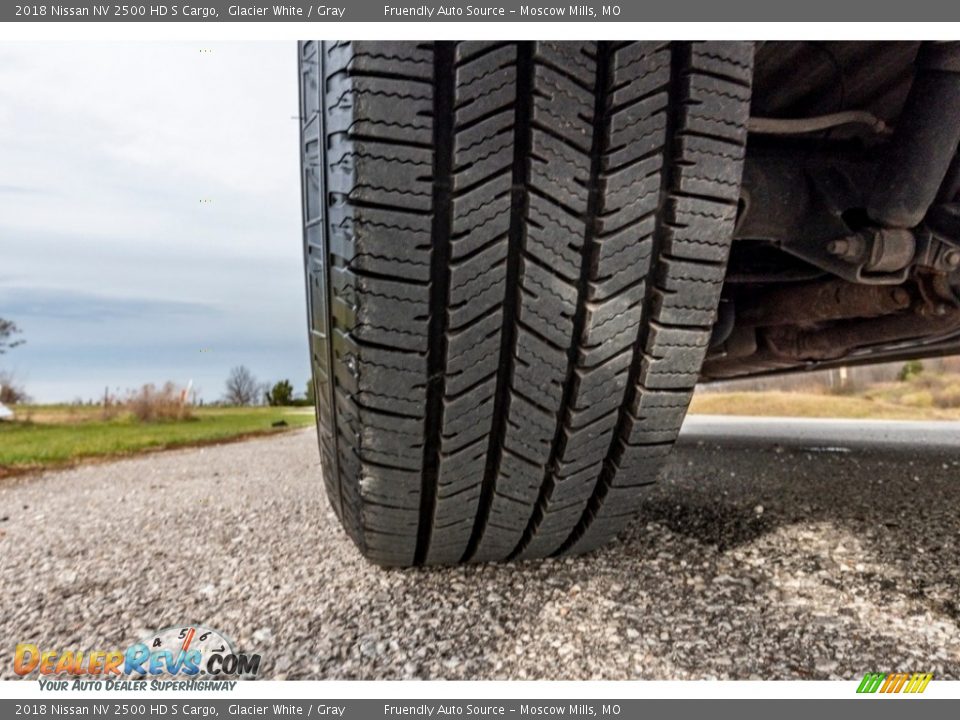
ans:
x=243 y=388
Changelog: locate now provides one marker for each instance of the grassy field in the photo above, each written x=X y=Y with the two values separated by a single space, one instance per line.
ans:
x=814 y=405
x=926 y=396
x=51 y=435
x=917 y=396
x=44 y=436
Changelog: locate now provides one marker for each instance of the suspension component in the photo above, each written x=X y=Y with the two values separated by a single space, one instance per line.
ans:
x=924 y=142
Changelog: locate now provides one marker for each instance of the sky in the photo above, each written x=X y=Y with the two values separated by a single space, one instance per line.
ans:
x=150 y=215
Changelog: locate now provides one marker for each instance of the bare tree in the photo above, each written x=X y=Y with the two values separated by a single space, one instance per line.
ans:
x=242 y=387
x=8 y=329
x=11 y=391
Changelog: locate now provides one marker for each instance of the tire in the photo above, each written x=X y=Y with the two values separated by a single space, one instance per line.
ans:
x=514 y=257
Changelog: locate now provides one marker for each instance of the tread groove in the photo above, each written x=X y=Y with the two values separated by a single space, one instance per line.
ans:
x=439 y=291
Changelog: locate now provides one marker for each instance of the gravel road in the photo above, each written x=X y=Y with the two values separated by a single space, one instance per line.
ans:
x=754 y=559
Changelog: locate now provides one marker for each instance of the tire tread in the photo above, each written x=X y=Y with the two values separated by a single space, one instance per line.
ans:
x=514 y=257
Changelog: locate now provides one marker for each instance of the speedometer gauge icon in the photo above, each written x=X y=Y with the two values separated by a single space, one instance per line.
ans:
x=187 y=646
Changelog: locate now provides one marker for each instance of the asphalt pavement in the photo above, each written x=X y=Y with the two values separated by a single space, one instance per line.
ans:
x=822 y=435
x=770 y=549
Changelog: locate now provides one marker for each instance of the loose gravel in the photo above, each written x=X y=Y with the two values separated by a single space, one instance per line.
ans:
x=765 y=562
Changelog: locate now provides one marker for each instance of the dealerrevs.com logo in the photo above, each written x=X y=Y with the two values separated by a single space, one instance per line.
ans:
x=184 y=653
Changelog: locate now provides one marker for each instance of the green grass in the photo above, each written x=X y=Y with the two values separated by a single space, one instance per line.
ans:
x=58 y=435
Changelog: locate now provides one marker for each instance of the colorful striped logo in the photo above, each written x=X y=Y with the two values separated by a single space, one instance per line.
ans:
x=895 y=682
